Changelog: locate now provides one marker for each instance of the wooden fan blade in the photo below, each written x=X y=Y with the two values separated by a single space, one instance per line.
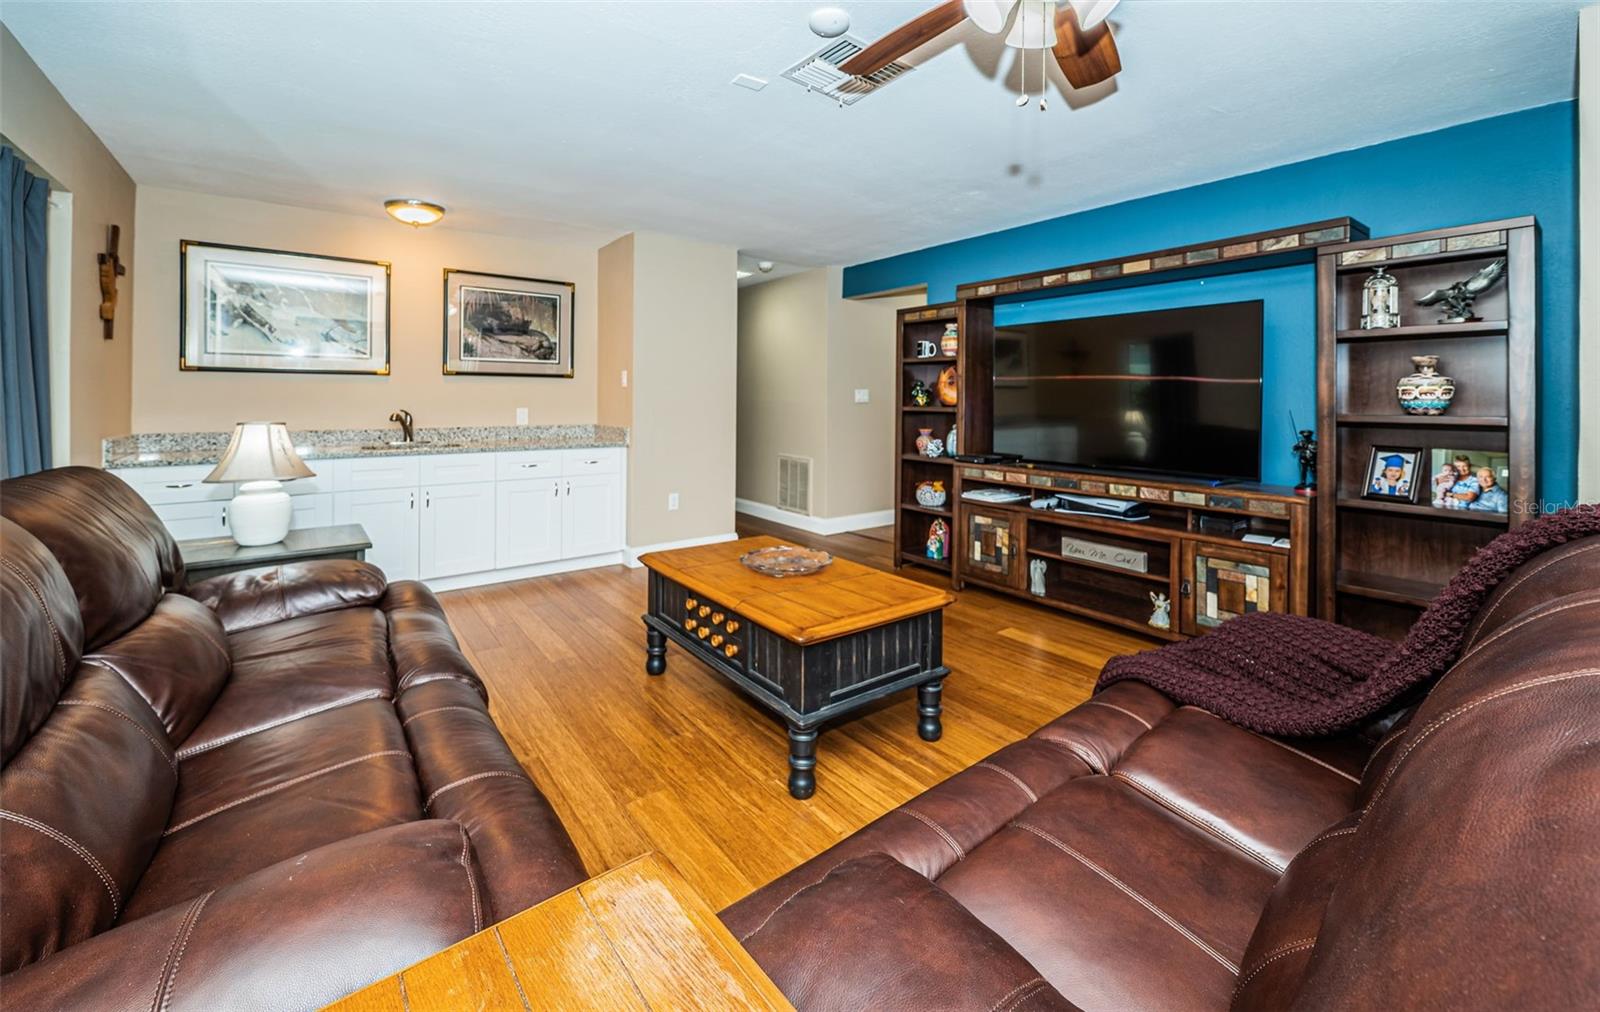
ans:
x=1086 y=57
x=904 y=39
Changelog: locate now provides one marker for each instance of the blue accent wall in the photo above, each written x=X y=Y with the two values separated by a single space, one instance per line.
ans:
x=1517 y=164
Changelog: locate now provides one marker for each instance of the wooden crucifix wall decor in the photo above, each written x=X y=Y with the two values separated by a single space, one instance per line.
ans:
x=111 y=267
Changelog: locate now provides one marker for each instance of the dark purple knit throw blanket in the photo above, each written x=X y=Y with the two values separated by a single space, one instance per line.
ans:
x=1292 y=675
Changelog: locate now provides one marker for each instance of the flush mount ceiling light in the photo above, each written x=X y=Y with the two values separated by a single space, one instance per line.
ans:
x=413 y=212
x=829 y=22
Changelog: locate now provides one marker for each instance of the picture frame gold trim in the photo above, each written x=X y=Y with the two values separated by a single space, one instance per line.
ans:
x=565 y=338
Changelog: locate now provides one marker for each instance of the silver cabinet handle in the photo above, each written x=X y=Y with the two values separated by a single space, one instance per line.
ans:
x=591 y=462
x=180 y=484
x=526 y=466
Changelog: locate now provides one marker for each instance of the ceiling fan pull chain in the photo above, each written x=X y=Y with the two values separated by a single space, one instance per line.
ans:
x=1045 y=14
x=1022 y=78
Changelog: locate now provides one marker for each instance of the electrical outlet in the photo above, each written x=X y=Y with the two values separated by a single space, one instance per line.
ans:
x=522 y=416
x=863 y=395
x=672 y=501
x=624 y=377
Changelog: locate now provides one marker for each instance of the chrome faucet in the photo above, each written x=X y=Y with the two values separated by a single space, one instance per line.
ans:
x=407 y=431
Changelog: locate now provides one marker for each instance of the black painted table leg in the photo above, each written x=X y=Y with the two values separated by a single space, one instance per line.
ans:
x=802 y=763
x=929 y=708
x=655 y=661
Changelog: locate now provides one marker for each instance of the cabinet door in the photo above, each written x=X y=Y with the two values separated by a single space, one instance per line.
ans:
x=458 y=531
x=1222 y=582
x=311 y=511
x=191 y=520
x=390 y=519
x=527 y=522
x=591 y=522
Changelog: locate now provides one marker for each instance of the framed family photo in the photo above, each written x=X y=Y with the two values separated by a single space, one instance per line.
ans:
x=1392 y=474
x=500 y=325
x=1469 y=480
x=245 y=309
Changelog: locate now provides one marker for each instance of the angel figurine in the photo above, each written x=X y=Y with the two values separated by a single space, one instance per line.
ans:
x=1161 y=618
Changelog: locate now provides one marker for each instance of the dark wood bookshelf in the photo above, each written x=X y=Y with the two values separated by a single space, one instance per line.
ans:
x=1379 y=563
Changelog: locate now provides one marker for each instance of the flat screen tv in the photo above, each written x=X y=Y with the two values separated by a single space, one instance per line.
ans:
x=1174 y=391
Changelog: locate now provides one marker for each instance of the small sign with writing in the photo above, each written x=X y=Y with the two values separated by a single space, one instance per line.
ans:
x=1106 y=555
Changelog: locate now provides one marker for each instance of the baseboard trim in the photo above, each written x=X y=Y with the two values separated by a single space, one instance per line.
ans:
x=466 y=580
x=815 y=525
x=631 y=554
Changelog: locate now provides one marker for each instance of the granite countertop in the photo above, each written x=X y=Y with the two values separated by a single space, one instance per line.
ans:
x=162 y=449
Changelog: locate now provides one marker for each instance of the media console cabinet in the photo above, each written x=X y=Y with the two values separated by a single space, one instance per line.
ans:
x=1119 y=571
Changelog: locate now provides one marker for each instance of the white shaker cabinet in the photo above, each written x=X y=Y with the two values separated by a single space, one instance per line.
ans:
x=591 y=510
x=458 y=530
x=390 y=517
x=527 y=522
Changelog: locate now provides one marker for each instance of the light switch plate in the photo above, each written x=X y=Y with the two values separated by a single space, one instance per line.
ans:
x=863 y=395
x=672 y=501
x=624 y=377
x=522 y=416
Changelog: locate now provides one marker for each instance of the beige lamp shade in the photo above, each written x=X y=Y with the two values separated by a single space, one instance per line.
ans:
x=260 y=451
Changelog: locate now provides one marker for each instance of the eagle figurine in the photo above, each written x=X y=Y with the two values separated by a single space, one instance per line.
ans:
x=1457 y=299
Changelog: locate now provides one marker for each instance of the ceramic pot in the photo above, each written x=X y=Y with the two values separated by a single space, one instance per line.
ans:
x=947 y=387
x=950 y=343
x=938 y=539
x=1425 y=392
x=923 y=435
x=933 y=448
x=950 y=442
x=931 y=494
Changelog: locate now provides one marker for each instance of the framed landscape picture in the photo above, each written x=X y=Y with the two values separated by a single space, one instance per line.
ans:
x=499 y=325
x=244 y=309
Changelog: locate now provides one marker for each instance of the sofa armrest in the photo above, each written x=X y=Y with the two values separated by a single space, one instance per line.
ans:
x=298 y=934
x=256 y=597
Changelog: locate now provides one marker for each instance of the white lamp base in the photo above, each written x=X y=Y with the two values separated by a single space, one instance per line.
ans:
x=259 y=513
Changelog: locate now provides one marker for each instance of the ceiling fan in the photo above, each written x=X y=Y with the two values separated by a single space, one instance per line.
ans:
x=1075 y=31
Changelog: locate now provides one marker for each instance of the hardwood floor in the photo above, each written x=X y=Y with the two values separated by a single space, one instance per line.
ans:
x=687 y=766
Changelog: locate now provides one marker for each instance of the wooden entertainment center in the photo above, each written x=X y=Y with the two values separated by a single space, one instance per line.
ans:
x=1204 y=577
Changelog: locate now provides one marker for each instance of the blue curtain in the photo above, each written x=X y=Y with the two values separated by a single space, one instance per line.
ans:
x=24 y=336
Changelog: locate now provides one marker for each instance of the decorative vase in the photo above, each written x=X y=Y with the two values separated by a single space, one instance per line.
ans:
x=950 y=343
x=1380 y=301
x=931 y=494
x=919 y=394
x=933 y=448
x=947 y=387
x=1425 y=392
x=950 y=442
x=938 y=539
x=923 y=435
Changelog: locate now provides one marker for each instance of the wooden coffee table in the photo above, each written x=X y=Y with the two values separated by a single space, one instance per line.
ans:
x=809 y=648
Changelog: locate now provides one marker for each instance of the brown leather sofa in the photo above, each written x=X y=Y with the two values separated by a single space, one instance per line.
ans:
x=265 y=791
x=1140 y=855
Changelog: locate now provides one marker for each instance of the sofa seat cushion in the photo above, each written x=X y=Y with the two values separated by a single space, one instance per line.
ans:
x=296 y=935
x=270 y=795
x=1265 y=797
x=1114 y=897
x=905 y=944
x=289 y=670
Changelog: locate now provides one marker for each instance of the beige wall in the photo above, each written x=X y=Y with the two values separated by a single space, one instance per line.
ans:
x=783 y=368
x=615 y=315
x=804 y=350
x=35 y=118
x=1589 y=252
x=166 y=400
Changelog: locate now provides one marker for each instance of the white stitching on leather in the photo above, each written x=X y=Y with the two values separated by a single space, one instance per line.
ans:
x=1519 y=581
x=1095 y=763
x=77 y=848
x=1388 y=740
x=1132 y=894
x=193 y=750
x=1016 y=994
x=169 y=982
x=275 y=788
x=1311 y=758
x=472 y=884
x=1330 y=834
x=168 y=758
x=986 y=764
x=1151 y=792
x=1439 y=722
x=452 y=785
x=1113 y=706
x=1286 y=949
x=961 y=855
x=56 y=639
x=437 y=709
x=787 y=900
x=1534 y=616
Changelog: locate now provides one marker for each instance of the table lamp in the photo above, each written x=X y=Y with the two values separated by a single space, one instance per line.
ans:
x=258 y=457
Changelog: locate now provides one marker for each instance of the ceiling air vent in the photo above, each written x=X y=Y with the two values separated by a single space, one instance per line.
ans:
x=819 y=73
x=794 y=483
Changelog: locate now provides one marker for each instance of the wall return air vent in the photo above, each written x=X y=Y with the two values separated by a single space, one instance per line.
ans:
x=794 y=483
x=819 y=73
